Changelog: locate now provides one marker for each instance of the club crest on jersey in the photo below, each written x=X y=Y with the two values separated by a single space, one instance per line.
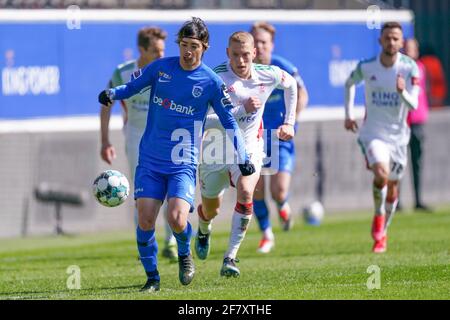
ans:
x=197 y=91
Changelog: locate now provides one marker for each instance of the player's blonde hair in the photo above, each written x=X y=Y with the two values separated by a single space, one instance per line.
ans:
x=241 y=37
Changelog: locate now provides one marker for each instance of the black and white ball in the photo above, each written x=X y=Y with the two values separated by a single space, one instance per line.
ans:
x=111 y=188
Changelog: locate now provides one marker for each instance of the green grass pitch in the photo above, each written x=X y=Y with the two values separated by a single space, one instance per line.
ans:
x=326 y=262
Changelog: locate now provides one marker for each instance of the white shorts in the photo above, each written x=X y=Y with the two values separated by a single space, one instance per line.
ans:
x=377 y=150
x=215 y=178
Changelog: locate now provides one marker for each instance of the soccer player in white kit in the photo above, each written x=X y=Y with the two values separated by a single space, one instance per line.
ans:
x=391 y=90
x=151 y=46
x=249 y=86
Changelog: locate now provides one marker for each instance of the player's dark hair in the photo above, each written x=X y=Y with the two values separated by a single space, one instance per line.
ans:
x=146 y=34
x=264 y=26
x=194 y=29
x=391 y=25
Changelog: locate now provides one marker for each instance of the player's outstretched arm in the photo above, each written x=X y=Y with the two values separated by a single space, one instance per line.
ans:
x=107 y=151
x=350 y=124
x=139 y=83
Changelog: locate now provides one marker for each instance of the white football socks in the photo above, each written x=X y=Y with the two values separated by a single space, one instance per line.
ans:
x=268 y=234
x=239 y=226
x=390 y=210
x=205 y=226
x=379 y=199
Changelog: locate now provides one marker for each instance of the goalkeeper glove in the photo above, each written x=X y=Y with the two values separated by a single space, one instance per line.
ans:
x=104 y=98
x=247 y=168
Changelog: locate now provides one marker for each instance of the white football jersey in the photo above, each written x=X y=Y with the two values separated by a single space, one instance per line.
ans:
x=264 y=79
x=386 y=112
x=137 y=105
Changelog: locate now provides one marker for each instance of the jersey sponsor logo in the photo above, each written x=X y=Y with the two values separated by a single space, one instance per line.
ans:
x=172 y=105
x=164 y=75
x=247 y=119
x=385 y=99
x=197 y=91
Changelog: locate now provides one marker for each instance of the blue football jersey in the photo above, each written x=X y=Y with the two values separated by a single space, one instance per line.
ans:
x=178 y=106
x=275 y=109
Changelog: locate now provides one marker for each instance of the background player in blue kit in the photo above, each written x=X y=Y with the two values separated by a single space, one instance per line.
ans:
x=273 y=118
x=183 y=88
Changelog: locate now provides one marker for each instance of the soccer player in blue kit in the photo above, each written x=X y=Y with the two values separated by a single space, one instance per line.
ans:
x=274 y=115
x=183 y=88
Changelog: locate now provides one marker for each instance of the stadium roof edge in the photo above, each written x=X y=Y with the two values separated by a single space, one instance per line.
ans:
x=281 y=16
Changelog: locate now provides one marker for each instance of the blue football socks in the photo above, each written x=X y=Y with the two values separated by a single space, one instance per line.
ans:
x=148 y=251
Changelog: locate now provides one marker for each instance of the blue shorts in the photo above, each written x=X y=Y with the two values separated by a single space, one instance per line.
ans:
x=286 y=156
x=151 y=184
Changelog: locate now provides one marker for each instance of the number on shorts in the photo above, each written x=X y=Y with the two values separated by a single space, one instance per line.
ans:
x=397 y=168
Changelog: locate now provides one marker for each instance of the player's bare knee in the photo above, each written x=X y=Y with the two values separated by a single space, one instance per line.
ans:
x=145 y=224
x=380 y=176
x=279 y=194
x=210 y=208
x=177 y=224
x=176 y=221
x=245 y=195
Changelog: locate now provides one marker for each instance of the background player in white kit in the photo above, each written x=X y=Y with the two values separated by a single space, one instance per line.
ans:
x=391 y=90
x=249 y=86
x=151 y=46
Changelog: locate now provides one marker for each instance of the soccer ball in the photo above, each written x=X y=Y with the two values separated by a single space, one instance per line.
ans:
x=111 y=188
x=313 y=213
